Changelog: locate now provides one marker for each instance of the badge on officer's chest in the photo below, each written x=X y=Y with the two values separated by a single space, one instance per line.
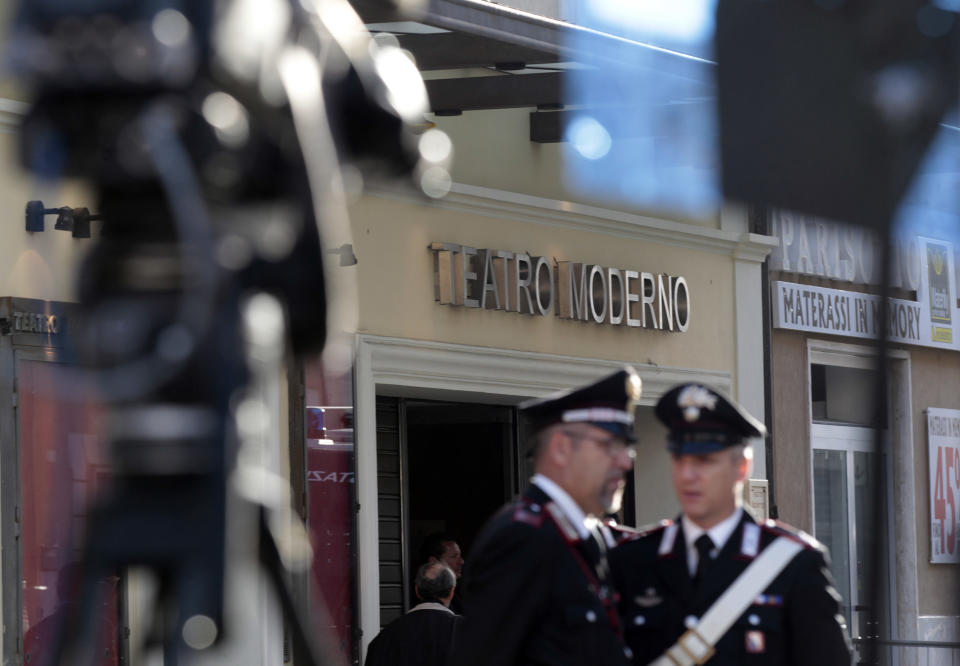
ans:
x=755 y=643
x=648 y=599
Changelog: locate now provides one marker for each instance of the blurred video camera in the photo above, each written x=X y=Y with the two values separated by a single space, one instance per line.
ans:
x=225 y=77
x=222 y=140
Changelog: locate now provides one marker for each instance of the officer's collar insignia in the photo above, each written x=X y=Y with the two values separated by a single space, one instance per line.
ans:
x=694 y=398
x=669 y=537
x=564 y=523
x=648 y=599
x=750 y=544
x=608 y=536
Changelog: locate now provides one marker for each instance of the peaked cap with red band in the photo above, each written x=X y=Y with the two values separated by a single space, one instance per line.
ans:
x=607 y=403
x=703 y=420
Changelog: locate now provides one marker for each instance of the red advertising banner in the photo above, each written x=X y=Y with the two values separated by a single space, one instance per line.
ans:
x=329 y=483
x=62 y=468
x=943 y=436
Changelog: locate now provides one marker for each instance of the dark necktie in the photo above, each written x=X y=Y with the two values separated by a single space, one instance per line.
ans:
x=703 y=544
x=596 y=554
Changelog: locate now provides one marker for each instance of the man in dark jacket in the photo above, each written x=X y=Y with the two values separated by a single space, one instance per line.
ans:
x=538 y=588
x=424 y=636
x=672 y=576
x=442 y=547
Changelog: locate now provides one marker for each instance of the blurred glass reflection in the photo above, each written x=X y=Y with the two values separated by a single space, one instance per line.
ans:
x=643 y=130
x=931 y=207
x=929 y=217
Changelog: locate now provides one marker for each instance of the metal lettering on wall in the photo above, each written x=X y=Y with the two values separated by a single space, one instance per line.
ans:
x=515 y=281
x=820 y=248
x=31 y=322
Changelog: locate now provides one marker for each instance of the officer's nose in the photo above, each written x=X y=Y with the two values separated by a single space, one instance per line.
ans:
x=687 y=470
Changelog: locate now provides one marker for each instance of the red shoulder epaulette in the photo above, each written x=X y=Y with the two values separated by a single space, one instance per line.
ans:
x=661 y=525
x=616 y=534
x=653 y=528
x=791 y=532
x=528 y=513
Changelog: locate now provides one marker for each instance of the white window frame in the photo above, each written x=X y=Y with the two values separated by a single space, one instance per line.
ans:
x=901 y=496
x=862 y=442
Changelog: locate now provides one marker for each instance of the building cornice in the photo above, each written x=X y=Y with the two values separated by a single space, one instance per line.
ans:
x=592 y=219
x=754 y=247
x=419 y=367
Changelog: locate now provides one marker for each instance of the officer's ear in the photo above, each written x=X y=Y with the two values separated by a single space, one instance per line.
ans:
x=559 y=446
x=744 y=463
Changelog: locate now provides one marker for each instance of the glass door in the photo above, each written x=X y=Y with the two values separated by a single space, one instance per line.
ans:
x=831 y=510
x=845 y=520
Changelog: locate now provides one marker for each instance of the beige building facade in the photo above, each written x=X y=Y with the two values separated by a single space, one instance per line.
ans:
x=415 y=349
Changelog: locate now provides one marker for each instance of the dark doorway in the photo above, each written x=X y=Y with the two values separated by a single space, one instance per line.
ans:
x=461 y=469
x=441 y=467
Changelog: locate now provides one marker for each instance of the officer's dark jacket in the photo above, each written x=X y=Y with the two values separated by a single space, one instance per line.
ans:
x=530 y=596
x=797 y=619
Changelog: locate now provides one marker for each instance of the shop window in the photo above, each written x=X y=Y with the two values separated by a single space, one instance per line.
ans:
x=849 y=474
x=831 y=510
x=841 y=394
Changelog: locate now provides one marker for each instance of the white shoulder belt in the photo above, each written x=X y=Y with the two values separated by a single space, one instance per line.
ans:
x=696 y=646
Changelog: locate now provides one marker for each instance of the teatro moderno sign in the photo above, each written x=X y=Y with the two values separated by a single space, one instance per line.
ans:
x=516 y=281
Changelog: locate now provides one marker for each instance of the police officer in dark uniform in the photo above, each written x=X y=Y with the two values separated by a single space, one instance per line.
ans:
x=672 y=576
x=538 y=587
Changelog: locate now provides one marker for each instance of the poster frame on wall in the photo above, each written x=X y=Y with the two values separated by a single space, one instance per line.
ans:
x=943 y=452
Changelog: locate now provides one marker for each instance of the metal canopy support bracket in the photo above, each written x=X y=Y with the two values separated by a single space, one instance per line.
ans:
x=461 y=50
x=548 y=126
x=495 y=92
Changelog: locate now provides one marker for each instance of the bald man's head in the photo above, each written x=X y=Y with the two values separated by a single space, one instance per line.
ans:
x=435 y=582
